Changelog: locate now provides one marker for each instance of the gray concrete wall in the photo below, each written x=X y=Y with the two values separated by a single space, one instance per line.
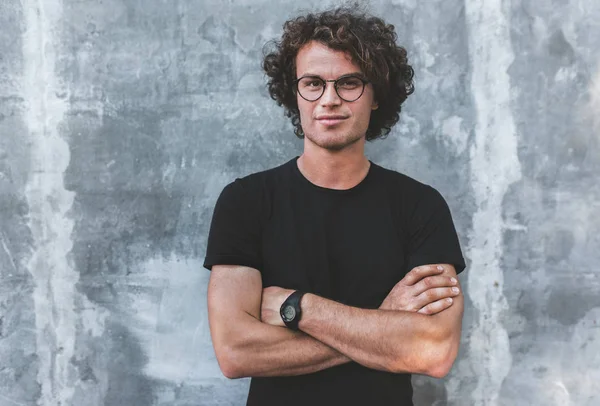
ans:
x=121 y=121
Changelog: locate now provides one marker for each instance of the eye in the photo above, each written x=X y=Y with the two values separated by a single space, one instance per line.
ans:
x=314 y=83
x=311 y=83
x=350 y=82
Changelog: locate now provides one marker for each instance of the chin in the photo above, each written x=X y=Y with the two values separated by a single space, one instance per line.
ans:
x=333 y=141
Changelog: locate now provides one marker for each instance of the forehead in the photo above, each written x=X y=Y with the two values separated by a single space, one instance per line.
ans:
x=317 y=59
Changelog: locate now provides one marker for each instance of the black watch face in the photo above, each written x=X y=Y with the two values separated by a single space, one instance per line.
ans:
x=289 y=313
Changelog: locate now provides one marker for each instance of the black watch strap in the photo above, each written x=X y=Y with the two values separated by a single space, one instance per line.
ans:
x=290 y=310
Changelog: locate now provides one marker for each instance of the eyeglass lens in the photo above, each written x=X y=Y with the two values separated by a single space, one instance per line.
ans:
x=348 y=88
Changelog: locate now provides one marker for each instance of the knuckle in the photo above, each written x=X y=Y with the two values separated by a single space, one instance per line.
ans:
x=443 y=281
x=430 y=294
x=437 y=307
x=431 y=309
x=421 y=269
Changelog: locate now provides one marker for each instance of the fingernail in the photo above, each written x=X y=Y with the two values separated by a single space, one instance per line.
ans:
x=453 y=280
x=440 y=268
x=449 y=300
x=455 y=290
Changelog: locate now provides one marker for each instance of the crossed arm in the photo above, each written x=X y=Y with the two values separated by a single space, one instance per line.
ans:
x=400 y=336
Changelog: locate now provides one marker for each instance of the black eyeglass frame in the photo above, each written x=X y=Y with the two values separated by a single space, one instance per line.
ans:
x=335 y=86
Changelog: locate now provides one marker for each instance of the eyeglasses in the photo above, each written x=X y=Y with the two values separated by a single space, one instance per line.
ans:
x=348 y=87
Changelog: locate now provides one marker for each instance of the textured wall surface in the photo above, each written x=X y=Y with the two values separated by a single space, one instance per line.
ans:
x=122 y=120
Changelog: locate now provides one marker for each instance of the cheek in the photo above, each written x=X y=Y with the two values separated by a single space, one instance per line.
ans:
x=363 y=110
x=363 y=113
x=305 y=110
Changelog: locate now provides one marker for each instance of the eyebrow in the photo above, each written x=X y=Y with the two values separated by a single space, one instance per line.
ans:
x=359 y=74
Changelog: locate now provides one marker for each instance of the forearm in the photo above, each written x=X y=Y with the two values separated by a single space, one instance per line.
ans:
x=388 y=340
x=265 y=350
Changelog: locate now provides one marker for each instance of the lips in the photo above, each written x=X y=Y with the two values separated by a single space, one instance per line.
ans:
x=330 y=119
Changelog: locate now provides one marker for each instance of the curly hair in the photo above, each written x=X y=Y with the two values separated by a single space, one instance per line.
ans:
x=368 y=40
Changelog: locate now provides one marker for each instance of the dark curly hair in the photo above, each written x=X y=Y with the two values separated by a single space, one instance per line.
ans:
x=369 y=41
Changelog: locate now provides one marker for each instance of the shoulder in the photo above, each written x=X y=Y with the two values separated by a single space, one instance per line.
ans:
x=265 y=176
x=257 y=181
x=253 y=192
x=407 y=187
x=413 y=201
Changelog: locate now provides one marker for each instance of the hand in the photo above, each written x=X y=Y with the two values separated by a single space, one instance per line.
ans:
x=425 y=289
x=272 y=299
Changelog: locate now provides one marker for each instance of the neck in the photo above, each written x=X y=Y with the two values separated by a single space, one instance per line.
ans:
x=340 y=170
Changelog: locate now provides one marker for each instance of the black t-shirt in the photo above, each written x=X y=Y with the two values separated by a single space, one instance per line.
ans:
x=351 y=246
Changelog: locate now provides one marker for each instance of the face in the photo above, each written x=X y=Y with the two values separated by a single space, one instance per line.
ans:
x=331 y=122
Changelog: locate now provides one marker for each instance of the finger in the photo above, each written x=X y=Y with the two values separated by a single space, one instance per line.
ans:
x=437 y=306
x=435 y=294
x=420 y=272
x=437 y=281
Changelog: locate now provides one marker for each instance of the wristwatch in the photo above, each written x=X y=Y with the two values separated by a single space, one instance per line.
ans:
x=290 y=310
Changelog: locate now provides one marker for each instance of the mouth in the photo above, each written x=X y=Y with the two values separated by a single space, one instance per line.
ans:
x=331 y=120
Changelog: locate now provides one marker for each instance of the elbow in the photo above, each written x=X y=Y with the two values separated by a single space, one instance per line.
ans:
x=433 y=368
x=443 y=349
x=233 y=351
x=442 y=359
x=229 y=363
x=230 y=372
x=435 y=360
x=440 y=369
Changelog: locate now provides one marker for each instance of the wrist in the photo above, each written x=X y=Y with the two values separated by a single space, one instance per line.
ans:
x=291 y=310
x=307 y=303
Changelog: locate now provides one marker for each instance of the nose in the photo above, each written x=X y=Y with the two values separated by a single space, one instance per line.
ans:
x=330 y=96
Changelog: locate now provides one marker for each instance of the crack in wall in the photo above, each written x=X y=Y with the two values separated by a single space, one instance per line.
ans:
x=494 y=167
x=49 y=202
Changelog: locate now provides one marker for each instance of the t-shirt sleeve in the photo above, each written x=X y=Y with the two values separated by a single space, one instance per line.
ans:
x=235 y=233
x=432 y=237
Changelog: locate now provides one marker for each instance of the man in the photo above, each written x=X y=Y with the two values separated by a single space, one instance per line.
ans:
x=333 y=279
